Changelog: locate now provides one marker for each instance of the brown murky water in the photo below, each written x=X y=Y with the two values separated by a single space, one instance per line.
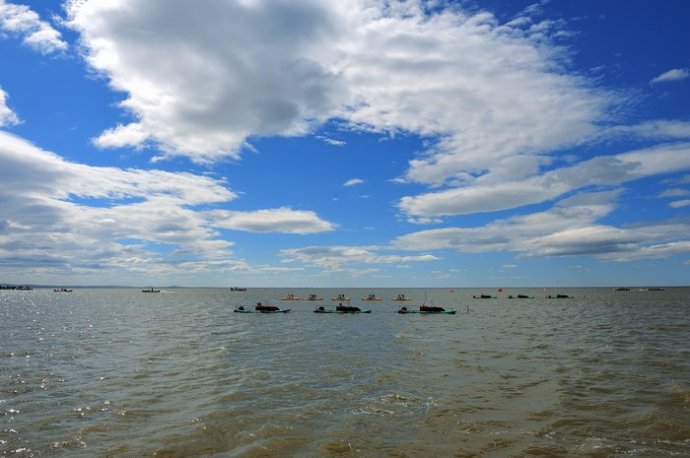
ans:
x=114 y=372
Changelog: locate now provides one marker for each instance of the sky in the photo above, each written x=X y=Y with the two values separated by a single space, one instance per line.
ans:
x=348 y=143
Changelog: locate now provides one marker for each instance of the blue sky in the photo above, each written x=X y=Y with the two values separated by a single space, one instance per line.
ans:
x=346 y=143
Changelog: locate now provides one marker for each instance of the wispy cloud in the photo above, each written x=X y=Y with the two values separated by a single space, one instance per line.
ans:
x=7 y=116
x=23 y=21
x=338 y=257
x=680 y=203
x=353 y=182
x=572 y=227
x=677 y=74
x=488 y=194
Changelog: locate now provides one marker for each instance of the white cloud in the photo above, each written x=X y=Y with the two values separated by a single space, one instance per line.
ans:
x=283 y=220
x=353 y=182
x=674 y=192
x=490 y=194
x=66 y=215
x=677 y=74
x=680 y=203
x=38 y=34
x=7 y=116
x=201 y=81
x=570 y=228
x=337 y=257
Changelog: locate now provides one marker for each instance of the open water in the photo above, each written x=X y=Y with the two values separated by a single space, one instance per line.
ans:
x=116 y=372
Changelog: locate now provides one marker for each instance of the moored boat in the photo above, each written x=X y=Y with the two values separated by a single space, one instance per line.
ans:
x=290 y=297
x=401 y=298
x=342 y=309
x=372 y=297
x=261 y=308
x=428 y=309
x=150 y=290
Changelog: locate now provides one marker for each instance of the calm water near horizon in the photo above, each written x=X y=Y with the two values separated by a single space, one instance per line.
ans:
x=116 y=372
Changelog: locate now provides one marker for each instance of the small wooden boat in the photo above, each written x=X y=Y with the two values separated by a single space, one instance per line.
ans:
x=341 y=297
x=62 y=290
x=290 y=297
x=401 y=298
x=372 y=297
x=313 y=297
x=150 y=290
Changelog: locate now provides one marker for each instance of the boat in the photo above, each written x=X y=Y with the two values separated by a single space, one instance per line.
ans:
x=401 y=298
x=559 y=296
x=520 y=296
x=150 y=290
x=372 y=297
x=341 y=297
x=623 y=288
x=290 y=297
x=313 y=297
x=62 y=290
x=237 y=288
x=342 y=309
x=261 y=308
x=428 y=310
x=484 y=296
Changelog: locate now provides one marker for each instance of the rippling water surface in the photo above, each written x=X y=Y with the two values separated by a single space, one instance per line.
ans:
x=115 y=372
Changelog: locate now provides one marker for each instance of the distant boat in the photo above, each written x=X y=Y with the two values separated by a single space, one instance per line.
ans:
x=313 y=297
x=484 y=296
x=559 y=296
x=341 y=297
x=372 y=297
x=237 y=288
x=150 y=290
x=401 y=298
x=622 y=289
x=290 y=297
x=62 y=290
x=520 y=296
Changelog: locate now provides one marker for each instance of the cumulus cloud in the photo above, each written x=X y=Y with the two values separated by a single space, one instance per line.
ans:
x=38 y=34
x=675 y=74
x=7 y=116
x=202 y=81
x=199 y=81
x=74 y=216
x=283 y=220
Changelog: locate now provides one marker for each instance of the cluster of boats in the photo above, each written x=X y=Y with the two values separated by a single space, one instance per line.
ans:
x=16 y=287
x=343 y=308
x=342 y=298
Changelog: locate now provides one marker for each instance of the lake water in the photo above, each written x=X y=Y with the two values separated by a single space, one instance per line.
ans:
x=116 y=372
